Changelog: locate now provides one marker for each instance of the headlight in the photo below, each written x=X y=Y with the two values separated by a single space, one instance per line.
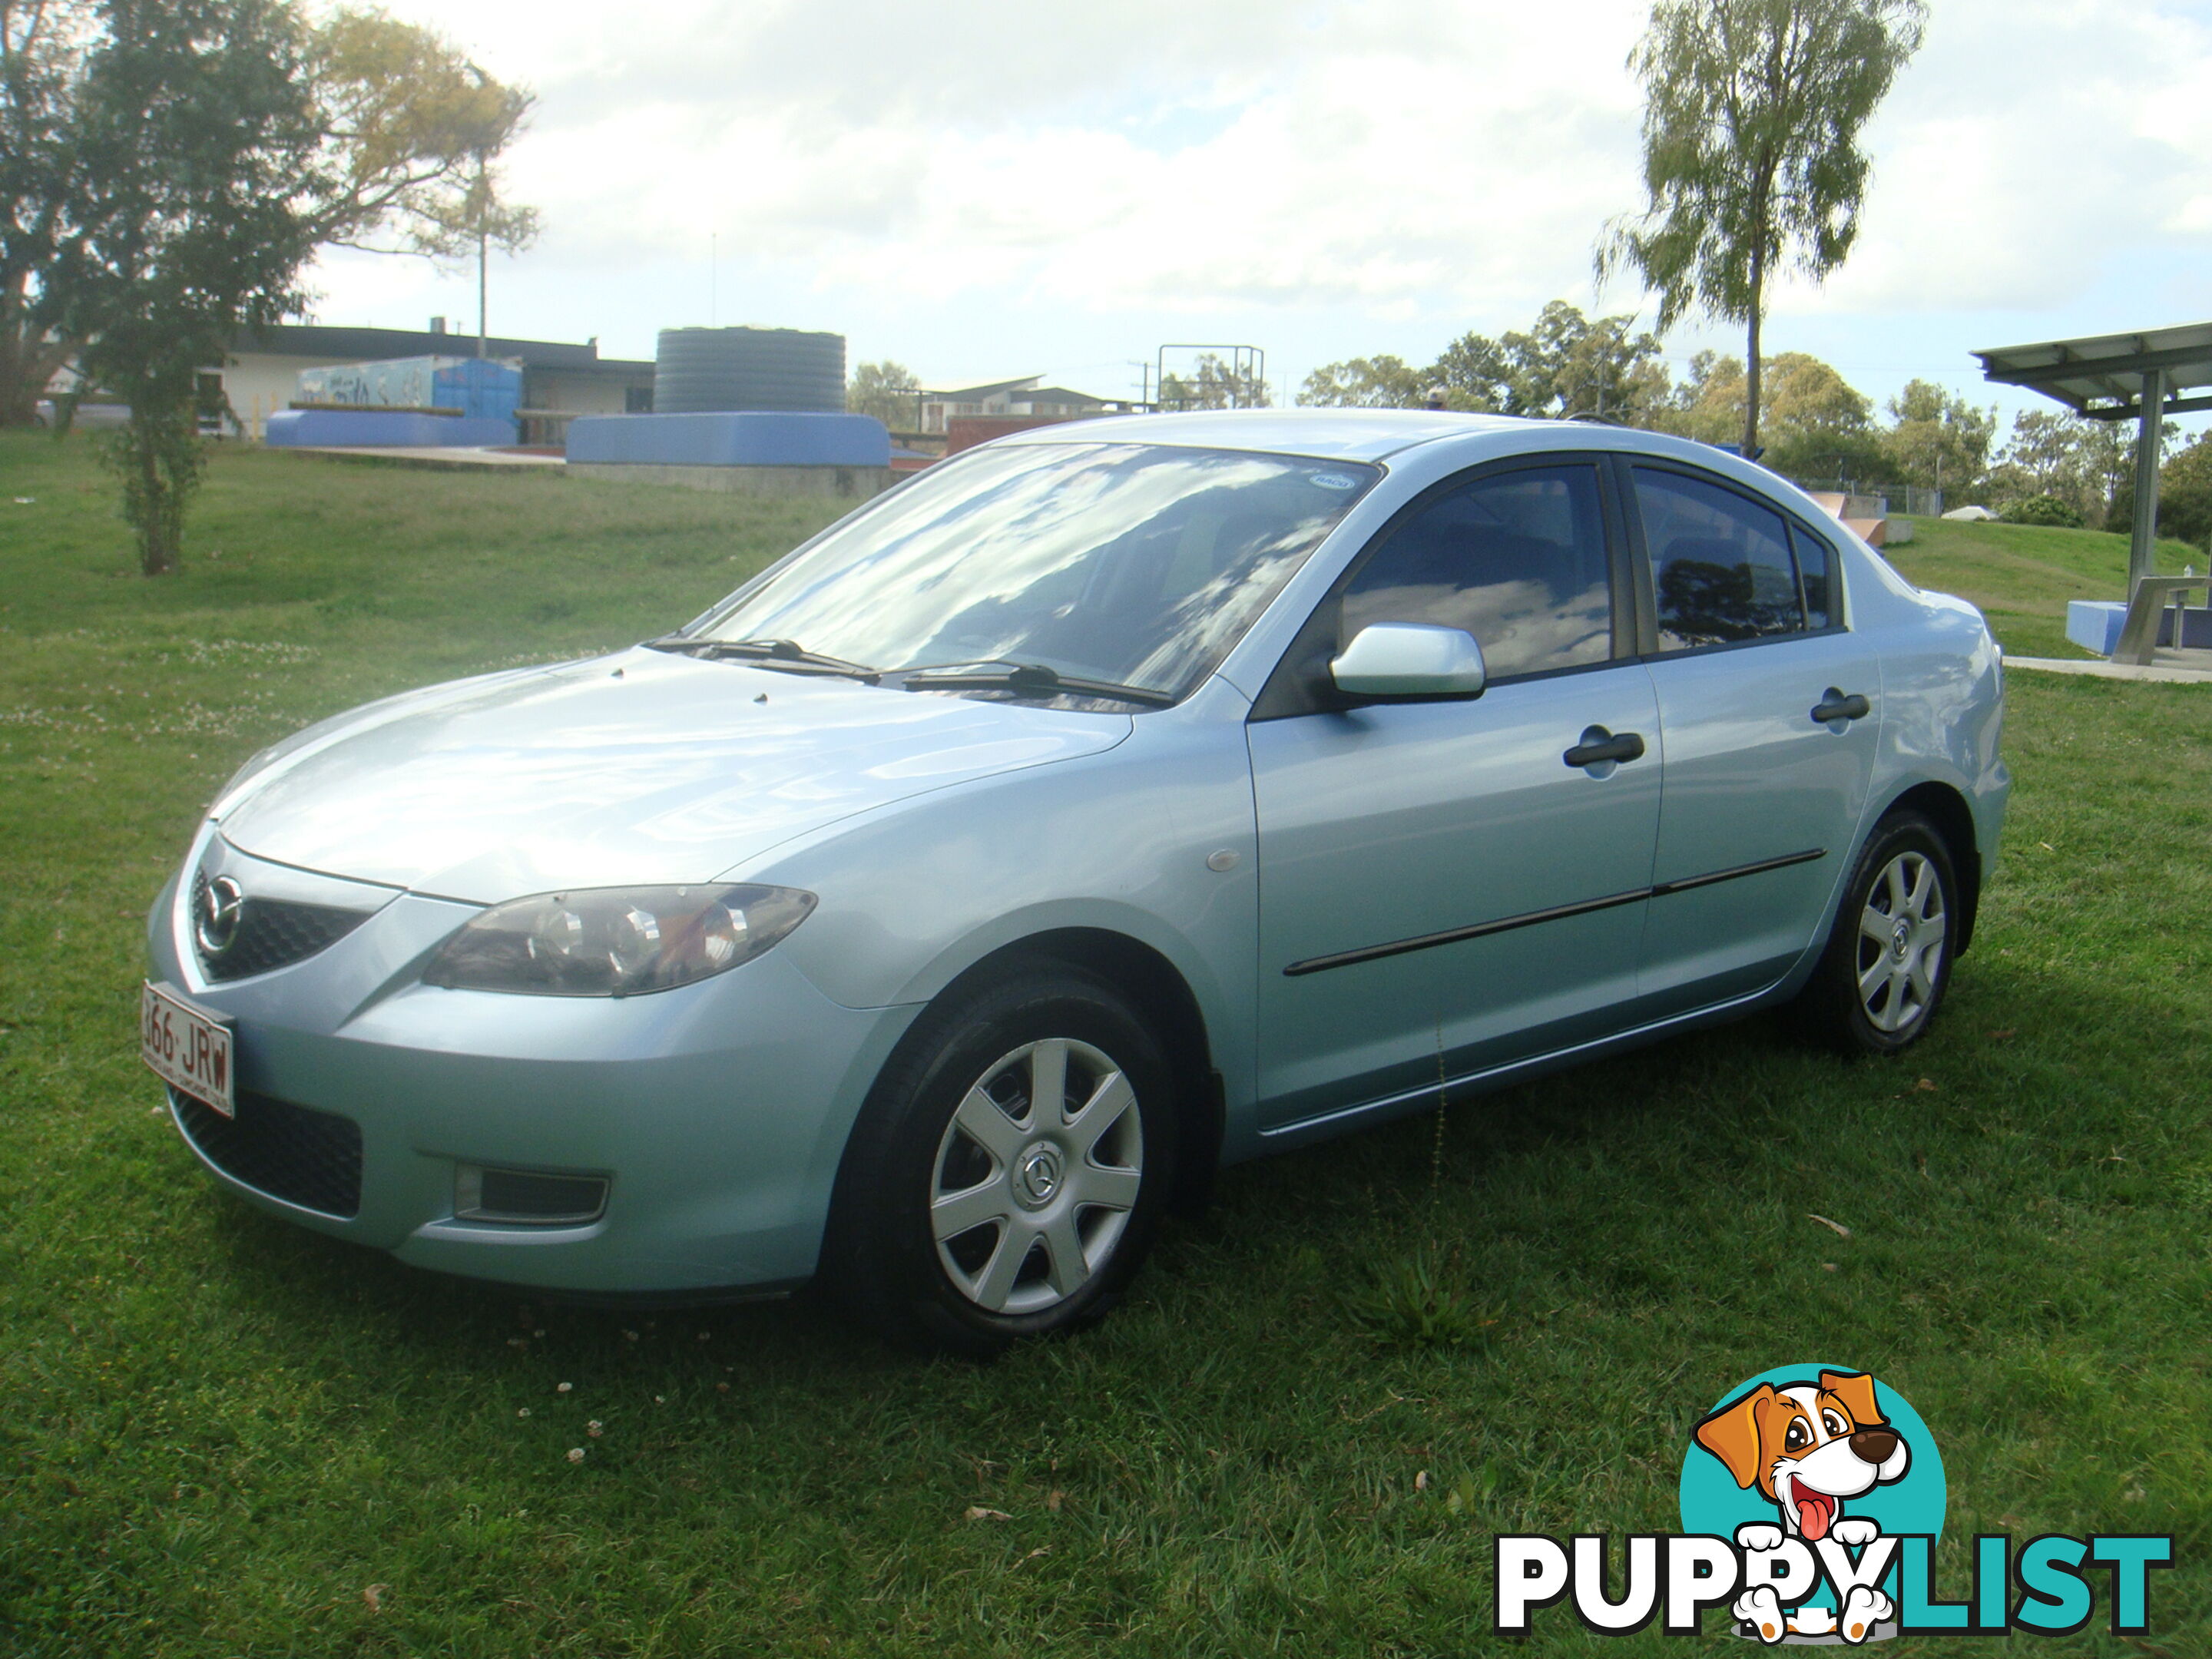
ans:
x=615 y=941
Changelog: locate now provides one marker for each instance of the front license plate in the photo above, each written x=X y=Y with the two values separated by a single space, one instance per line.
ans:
x=187 y=1046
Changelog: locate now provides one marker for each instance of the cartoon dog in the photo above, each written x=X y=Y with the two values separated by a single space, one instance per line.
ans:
x=1808 y=1449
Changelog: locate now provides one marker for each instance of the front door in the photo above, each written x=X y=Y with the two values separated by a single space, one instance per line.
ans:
x=1440 y=891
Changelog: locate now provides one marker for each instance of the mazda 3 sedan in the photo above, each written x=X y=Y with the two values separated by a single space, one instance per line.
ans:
x=1108 y=804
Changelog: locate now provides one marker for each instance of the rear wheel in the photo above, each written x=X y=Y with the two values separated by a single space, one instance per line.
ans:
x=1888 y=957
x=1008 y=1174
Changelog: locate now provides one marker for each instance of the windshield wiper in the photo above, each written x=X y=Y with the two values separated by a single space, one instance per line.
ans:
x=786 y=654
x=1033 y=679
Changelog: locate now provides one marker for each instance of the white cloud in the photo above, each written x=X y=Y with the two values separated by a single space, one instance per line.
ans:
x=1334 y=176
x=1130 y=152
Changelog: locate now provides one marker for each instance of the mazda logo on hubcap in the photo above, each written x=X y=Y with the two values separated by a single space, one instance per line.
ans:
x=221 y=905
x=1038 y=1178
x=1900 y=939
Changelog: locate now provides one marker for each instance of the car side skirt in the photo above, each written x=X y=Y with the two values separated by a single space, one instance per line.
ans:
x=1344 y=1119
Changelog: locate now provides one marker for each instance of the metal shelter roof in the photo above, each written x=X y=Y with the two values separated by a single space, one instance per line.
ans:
x=2120 y=377
x=2103 y=376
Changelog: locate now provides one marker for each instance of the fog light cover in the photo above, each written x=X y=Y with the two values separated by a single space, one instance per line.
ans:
x=530 y=1197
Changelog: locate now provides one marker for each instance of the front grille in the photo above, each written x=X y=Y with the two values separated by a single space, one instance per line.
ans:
x=302 y=1155
x=271 y=933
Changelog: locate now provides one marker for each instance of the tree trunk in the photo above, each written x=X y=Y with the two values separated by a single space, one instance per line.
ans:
x=27 y=359
x=155 y=556
x=1751 y=360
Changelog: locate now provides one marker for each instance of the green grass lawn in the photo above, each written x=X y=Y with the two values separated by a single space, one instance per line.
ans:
x=2022 y=576
x=222 y=1436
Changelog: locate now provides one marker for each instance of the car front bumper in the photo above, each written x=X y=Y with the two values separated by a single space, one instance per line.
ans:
x=715 y=1114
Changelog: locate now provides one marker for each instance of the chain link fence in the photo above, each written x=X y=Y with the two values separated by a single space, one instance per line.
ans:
x=1909 y=499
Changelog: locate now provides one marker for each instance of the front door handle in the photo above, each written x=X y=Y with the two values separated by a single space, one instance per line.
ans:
x=1834 y=705
x=1599 y=745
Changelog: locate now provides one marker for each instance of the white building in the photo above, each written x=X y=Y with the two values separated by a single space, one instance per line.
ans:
x=1023 y=397
x=262 y=376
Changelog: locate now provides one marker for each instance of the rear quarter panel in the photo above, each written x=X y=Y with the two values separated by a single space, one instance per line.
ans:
x=1942 y=716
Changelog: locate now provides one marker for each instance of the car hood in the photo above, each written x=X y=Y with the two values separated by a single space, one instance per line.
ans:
x=641 y=767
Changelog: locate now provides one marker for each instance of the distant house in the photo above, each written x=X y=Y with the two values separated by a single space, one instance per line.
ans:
x=1010 y=397
x=263 y=374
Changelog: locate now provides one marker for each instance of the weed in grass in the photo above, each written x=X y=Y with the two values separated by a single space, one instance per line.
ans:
x=1420 y=1300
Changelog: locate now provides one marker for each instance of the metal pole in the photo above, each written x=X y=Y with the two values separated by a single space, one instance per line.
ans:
x=2142 y=543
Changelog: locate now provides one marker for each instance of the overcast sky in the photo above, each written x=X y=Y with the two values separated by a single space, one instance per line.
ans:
x=980 y=189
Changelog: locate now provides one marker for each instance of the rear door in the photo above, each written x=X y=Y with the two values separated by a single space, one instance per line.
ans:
x=1440 y=890
x=1770 y=709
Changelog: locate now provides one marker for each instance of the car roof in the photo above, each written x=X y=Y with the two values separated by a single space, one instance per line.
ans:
x=1378 y=435
x=1354 y=434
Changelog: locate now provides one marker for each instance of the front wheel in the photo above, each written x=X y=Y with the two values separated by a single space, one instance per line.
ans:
x=1888 y=957
x=1009 y=1172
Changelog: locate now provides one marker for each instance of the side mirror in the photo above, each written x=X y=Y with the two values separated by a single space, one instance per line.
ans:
x=1410 y=660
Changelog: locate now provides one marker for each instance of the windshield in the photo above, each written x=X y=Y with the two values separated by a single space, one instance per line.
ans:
x=1123 y=563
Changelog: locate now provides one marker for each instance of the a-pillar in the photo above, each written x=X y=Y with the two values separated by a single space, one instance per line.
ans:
x=2143 y=545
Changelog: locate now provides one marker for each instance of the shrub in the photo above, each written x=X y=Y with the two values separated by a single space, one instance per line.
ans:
x=2046 y=510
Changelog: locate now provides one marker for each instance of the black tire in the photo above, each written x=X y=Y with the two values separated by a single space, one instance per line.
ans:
x=883 y=1257
x=1876 y=993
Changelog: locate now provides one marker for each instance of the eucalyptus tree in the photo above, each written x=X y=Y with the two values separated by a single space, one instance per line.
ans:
x=412 y=135
x=1752 y=163
x=889 y=391
x=1382 y=382
x=1937 y=439
x=1564 y=365
x=412 y=132
x=2089 y=464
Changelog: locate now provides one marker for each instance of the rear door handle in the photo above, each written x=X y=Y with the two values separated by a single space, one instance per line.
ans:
x=1834 y=705
x=1599 y=745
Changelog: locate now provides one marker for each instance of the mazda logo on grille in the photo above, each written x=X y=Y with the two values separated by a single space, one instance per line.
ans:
x=221 y=904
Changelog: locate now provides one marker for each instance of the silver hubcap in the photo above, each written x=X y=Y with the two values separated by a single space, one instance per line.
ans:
x=1035 y=1176
x=1901 y=943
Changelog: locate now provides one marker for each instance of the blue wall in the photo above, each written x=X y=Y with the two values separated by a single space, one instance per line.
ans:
x=378 y=429
x=743 y=439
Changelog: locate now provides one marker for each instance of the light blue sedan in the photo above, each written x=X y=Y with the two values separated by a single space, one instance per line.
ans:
x=1108 y=804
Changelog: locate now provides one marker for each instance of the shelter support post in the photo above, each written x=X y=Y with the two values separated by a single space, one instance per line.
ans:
x=2142 y=544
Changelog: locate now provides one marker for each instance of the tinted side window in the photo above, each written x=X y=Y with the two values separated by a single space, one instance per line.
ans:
x=1813 y=555
x=1720 y=564
x=1517 y=559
